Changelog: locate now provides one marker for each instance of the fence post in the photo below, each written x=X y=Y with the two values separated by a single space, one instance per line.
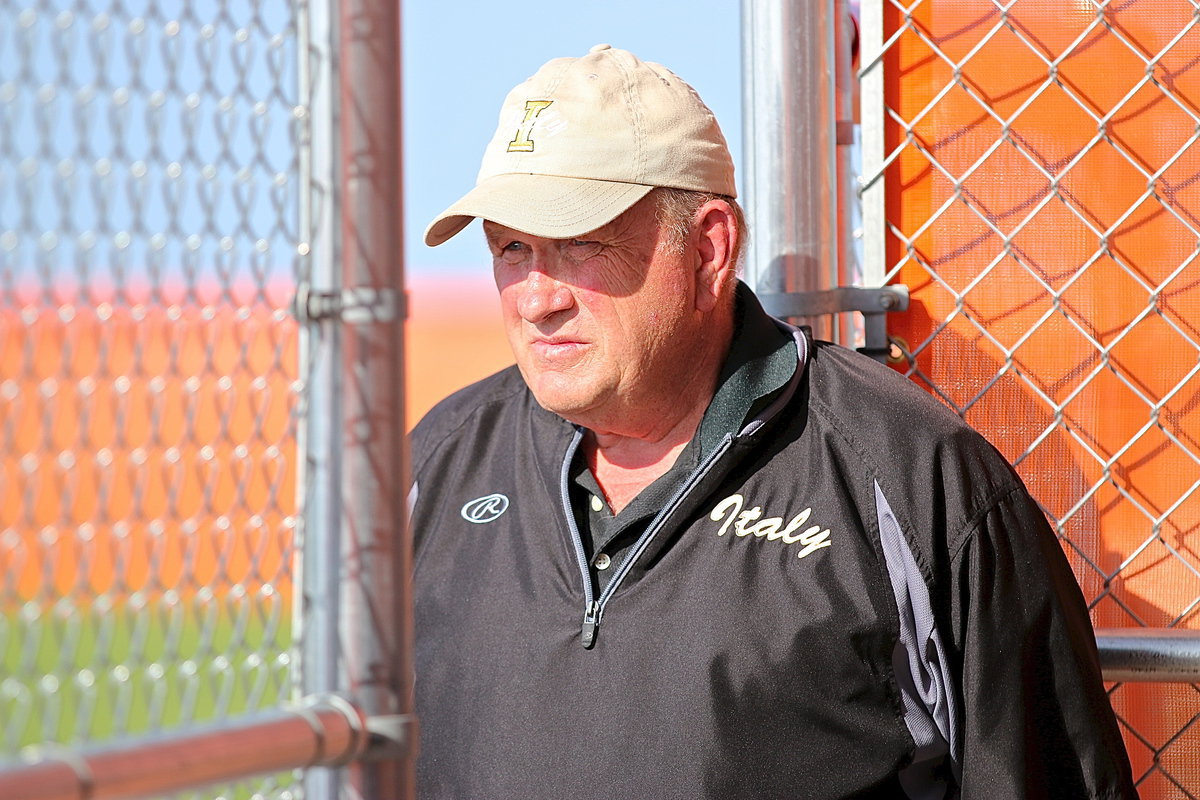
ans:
x=376 y=603
x=318 y=551
x=792 y=179
x=357 y=607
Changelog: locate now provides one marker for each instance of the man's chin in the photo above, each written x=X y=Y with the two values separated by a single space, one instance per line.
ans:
x=574 y=406
x=560 y=391
x=570 y=409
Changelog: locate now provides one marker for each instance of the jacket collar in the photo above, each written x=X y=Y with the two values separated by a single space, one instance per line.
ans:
x=762 y=360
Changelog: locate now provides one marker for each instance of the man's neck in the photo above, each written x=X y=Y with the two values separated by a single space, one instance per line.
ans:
x=640 y=442
x=624 y=465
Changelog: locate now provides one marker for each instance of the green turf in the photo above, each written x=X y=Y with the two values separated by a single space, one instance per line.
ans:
x=76 y=675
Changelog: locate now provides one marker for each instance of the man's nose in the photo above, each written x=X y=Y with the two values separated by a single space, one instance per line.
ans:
x=542 y=296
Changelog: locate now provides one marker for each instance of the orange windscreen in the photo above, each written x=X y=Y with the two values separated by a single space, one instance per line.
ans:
x=1043 y=207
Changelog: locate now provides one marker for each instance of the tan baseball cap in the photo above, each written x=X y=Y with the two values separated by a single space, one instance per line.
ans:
x=586 y=138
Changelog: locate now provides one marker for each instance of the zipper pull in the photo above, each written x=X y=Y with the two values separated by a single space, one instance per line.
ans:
x=591 y=619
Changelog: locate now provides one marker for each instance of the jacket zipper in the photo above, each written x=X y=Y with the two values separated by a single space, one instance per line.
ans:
x=593 y=608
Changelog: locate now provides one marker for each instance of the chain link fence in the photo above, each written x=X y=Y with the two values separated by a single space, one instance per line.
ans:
x=1032 y=174
x=149 y=372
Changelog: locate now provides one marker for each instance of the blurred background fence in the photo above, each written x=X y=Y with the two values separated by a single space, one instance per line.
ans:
x=169 y=183
x=149 y=225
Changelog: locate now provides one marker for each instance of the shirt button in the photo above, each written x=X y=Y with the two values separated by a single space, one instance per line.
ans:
x=597 y=503
x=602 y=561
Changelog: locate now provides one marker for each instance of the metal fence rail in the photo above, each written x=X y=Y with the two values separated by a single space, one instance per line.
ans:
x=322 y=732
x=1160 y=655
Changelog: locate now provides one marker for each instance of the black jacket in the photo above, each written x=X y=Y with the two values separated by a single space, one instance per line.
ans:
x=853 y=596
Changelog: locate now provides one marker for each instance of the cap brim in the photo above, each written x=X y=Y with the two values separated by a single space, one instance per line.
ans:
x=540 y=205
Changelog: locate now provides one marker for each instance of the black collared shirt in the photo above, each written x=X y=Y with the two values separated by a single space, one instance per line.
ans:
x=762 y=358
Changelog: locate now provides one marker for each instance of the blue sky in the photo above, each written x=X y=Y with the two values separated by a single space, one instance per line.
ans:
x=461 y=58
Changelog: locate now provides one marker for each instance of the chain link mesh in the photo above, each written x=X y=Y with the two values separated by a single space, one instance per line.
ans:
x=149 y=377
x=1040 y=194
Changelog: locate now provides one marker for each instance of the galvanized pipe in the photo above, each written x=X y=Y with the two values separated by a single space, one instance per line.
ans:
x=792 y=186
x=321 y=545
x=1162 y=655
x=375 y=602
x=326 y=732
x=318 y=544
x=355 y=616
x=874 y=265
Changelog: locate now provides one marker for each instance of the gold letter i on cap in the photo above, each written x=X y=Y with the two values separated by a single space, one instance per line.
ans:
x=523 y=144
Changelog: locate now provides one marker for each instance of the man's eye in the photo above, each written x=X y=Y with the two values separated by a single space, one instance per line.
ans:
x=582 y=243
x=513 y=246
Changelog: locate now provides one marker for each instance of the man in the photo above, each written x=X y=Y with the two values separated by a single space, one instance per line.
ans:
x=681 y=550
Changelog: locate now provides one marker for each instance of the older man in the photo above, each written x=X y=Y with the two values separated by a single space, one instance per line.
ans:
x=681 y=550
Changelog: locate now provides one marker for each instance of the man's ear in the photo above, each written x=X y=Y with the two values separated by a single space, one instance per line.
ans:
x=716 y=229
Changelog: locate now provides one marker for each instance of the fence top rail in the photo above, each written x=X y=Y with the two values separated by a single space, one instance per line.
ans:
x=324 y=731
x=1162 y=655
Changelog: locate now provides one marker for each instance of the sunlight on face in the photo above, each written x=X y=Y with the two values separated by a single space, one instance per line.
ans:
x=601 y=326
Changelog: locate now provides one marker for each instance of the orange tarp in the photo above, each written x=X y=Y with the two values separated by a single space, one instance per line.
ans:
x=1044 y=213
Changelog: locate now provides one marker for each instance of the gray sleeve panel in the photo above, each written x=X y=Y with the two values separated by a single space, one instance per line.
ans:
x=920 y=666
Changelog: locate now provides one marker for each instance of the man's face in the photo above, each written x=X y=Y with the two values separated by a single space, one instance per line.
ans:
x=600 y=325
